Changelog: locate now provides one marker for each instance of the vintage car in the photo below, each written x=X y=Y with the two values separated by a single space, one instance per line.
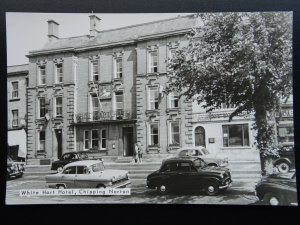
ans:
x=14 y=169
x=278 y=189
x=68 y=158
x=203 y=153
x=178 y=174
x=88 y=174
x=286 y=160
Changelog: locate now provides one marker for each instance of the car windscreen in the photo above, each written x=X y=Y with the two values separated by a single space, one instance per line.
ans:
x=205 y=151
x=97 y=167
x=84 y=156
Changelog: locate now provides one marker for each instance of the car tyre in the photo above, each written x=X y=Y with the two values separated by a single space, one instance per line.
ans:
x=162 y=189
x=273 y=199
x=101 y=186
x=61 y=186
x=59 y=169
x=211 y=189
x=283 y=167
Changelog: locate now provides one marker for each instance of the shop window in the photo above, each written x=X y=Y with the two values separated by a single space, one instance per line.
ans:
x=42 y=141
x=286 y=134
x=58 y=107
x=15 y=89
x=235 y=135
x=154 y=135
x=174 y=133
x=153 y=95
x=95 y=70
x=42 y=75
x=42 y=107
x=15 y=118
x=153 y=62
x=59 y=73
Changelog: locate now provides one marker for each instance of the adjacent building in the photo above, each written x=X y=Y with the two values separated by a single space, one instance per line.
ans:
x=17 y=81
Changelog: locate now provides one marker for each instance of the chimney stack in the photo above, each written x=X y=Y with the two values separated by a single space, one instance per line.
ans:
x=52 y=30
x=94 y=25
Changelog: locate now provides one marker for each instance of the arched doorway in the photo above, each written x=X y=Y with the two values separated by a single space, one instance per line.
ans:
x=200 y=136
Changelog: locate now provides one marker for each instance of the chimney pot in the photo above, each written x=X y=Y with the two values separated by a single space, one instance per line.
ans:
x=94 y=25
x=52 y=30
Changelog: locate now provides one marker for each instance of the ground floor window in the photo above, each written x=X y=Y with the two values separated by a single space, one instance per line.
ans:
x=42 y=141
x=95 y=139
x=286 y=133
x=174 y=133
x=236 y=135
x=154 y=135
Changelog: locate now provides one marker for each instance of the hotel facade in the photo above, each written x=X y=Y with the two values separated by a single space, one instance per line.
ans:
x=104 y=92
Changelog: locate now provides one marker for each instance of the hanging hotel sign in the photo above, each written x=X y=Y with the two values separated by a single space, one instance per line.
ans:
x=219 y=115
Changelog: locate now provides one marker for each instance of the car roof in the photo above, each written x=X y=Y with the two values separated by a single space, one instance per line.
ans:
x=178 y=159
x=190 y=148
x=83 y=163
x=75 y=152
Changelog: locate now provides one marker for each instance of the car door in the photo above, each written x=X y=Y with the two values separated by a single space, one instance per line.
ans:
x=82 y=178
x=68 y=176
x=186 y=176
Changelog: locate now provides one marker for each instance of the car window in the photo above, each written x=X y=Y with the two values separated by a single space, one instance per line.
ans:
x=66 y=157
x=81 y=170
x=185 y=167
x=97 y=167
x=73 y=156
x=166 y=168
x=205 y=151
x=70 y=170
x=83 y=155
x=183 y=153
x=199 y=163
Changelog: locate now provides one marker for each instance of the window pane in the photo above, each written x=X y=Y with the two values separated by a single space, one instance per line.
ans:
x=15 y=88
x=94 y=134
x=246 y=135
x=235 y=135
x=81 y=170
x=154 y=134
x=86 y=139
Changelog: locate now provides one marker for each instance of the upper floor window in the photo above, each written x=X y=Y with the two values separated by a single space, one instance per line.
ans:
x=42 y=107
x=59 y=73
x=94 y=106
x=173 y=100
x=58 y=106
x=119 y=67
x=15 y=89
x=42 y=74
x=235 y=135
x=153 y=62
x=15 y=116
x=95 y=70
x=153 y=95
x=119 y=101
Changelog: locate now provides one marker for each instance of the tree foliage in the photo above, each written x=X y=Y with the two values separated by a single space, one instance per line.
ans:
x=242 y=59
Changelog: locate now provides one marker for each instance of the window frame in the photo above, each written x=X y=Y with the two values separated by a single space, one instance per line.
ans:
x=151 y=135
x=155 y=99
x=93 y=111
x=93 y=139
x=42 y=77
x=101 y=139
x=117 y=103
x=94 y=72
x=119 y=70
x=40 y=108
x=151 y=66
x=173 y=97
x=243 y=127
x=14 y=125
x=56 y=106
x=44 y=141
x=59 y=75
x=171 y=133
x=86 y=139
x=14 y=91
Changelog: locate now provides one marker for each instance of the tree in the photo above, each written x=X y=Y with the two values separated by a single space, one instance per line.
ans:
x=243 y=59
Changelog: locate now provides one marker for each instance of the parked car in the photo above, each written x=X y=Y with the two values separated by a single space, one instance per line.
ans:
x=68 y=158
x=88 y=174
x=278 y=189
x=14 y=169
x=286 y=160
x=177 y=174
x=203 y=153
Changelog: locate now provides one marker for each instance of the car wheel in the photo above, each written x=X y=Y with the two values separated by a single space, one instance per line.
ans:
x=211 y=189
x=59 y=169
x=283 y=167
x=101 y=186
x=272 y=199
x=162 y=189
x=61 y=186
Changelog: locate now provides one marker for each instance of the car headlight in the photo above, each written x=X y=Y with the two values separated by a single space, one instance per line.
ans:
x=222 y=175
x=113 y=179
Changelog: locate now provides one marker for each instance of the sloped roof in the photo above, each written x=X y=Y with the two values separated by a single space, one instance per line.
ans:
x=123 y=34
x=17 y=69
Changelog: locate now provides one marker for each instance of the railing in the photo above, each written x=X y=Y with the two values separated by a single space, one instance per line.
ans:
x=102 y=116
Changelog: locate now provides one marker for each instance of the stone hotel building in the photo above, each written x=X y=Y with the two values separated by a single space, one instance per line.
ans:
x=103 y=92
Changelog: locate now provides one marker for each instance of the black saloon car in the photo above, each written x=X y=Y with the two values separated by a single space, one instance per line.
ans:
x=177 y=174
x=278 y=189
x=68 y=158
x=14 y=169
x=286 y=160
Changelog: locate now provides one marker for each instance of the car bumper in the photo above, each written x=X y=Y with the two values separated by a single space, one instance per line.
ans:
x=226 y=184
x=120 y=184
x=15 y=174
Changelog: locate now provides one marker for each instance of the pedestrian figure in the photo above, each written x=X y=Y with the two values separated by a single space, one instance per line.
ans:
x=136 y=153
x=140 y=154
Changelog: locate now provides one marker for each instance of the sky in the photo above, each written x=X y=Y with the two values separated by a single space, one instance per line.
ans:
x=28 y=31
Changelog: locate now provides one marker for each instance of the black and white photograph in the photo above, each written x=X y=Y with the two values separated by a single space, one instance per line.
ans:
x=150 y=108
